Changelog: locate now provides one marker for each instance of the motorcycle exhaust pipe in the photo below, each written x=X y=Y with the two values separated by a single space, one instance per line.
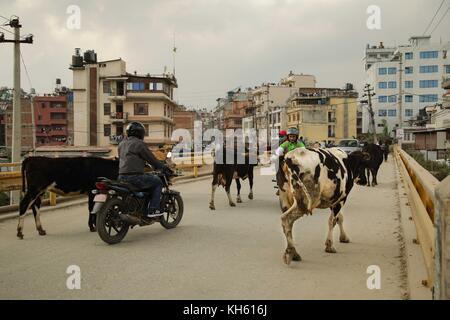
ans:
x=131 y=220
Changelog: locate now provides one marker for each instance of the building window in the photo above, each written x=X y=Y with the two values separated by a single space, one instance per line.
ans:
x=106 y=130
x=447 y=69
x=428 y=83
x=136 y=86
x=43 y=105
x=39 y=117
x=107 y=109
x=382 y=99
x=409 y=70
x=141 y=109
x=428 y=54
x=392 y=85
x=146 y=130
x=428 y=69
x=392 y=113
x=392 y=70
x=409 y=55
x=106 y=87
x=382 y=113
x=408 y=98
x=392 y=99
x=428 y=98
x=382 y=85
x=382 y=71
x=408 y=112
x=409 y=84
x=156 y=86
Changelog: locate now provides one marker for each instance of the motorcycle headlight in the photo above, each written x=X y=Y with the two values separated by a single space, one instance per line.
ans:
x=95 y=191
x=112 y=192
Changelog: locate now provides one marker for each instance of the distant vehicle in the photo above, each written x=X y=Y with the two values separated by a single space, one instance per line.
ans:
x=349 y=145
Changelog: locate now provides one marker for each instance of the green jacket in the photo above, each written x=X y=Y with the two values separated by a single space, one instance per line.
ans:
x=289 y=146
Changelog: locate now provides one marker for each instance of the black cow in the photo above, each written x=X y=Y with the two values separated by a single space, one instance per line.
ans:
x=376 y=159
x=224 y=173
x=63 y=176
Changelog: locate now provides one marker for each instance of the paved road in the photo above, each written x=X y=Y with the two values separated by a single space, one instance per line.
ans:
x=231 y=253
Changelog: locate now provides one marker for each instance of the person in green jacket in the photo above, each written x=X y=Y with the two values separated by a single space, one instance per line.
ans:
x=290 y=144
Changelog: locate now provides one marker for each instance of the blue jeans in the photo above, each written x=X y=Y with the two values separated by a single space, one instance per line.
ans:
x=148 y=182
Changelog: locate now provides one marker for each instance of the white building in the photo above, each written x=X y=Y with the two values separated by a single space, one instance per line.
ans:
x=424 y=64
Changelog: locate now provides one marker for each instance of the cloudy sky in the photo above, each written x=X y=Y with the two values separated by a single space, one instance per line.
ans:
x=220 y=44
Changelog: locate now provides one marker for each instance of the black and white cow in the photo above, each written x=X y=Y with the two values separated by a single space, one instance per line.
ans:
x=63 y=176
x=317 y=178
x=224 y=173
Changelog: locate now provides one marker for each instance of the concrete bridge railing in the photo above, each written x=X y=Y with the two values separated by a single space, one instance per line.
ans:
x=429 y=201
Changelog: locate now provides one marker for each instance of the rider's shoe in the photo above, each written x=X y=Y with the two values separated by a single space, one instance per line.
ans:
x=153 y=214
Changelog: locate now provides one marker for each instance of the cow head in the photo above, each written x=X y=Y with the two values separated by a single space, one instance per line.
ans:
x=356 y=163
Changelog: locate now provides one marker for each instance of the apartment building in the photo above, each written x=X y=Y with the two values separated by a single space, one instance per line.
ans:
x=270 y=100
x=107 y=97
x=324 y=114
x=421 y=65
x=230 y=111
x=52 y=117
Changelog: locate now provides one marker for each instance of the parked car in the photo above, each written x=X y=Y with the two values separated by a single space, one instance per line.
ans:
x=349 y=145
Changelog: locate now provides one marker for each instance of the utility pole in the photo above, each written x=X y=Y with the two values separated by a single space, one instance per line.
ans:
x=369 y=94
x=16 y=153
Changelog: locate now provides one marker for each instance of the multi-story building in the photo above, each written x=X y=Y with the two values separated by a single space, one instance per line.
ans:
x=229 y=111
x=6 y=124
x=420 y=65
x=324 y=114
x=184 y=119
x=107 y=97
x=51 y=114
x=270 y=100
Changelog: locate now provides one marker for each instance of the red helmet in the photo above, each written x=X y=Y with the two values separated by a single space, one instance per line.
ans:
x=282 y=133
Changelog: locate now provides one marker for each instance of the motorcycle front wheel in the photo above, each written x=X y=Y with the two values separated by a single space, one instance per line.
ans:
x=110 y=227
x=174 y=212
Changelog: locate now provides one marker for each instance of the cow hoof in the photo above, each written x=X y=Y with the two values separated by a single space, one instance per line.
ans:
x=20 y=235
x=239 y=200
x=291 y=255
x=232 y=204
x=250 y=196
x=330 y=250
x=212 y=207
x=42 y=232
x=344 y=239
x=92 y=229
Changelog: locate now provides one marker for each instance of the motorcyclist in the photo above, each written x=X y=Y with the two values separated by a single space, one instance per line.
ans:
x=133 y=154
x=282 y=136
x=290 y=144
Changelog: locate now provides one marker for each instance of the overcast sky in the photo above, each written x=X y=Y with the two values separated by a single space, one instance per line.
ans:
x=220 y=44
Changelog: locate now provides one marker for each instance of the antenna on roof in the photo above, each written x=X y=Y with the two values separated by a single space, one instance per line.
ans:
x=174 y=52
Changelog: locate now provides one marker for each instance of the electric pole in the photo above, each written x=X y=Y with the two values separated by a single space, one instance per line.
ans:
x=16 y=153
x=369 y=94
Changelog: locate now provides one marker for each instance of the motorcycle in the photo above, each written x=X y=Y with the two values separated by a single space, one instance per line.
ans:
x=120 y=205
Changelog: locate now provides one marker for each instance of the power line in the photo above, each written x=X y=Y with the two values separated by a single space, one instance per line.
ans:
x=442 y=18
x=26 y=71
x=437 y=11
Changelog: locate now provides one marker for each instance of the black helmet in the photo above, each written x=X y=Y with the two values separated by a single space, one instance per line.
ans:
x=136 y=129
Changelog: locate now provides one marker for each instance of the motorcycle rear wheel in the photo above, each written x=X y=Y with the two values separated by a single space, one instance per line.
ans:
x=110 y=227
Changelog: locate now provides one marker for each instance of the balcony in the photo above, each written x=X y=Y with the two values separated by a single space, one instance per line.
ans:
x=121 y=117
x=446 y=82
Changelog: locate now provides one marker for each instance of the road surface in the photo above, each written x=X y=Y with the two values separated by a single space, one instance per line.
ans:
x=230 y=253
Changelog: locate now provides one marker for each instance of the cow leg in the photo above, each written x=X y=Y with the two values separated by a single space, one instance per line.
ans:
x=329 y=242
x=343 y=236
x=287 y=222
x=368 y=177
x=250 y=182
x=238 y=185
x=374 y=177
x=227 y=189
x=92 y=216
x=36 y=207
x=24 y=205
x=213 y=191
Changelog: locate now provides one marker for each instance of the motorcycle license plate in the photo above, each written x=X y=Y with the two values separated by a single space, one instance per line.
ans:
x=100 y=198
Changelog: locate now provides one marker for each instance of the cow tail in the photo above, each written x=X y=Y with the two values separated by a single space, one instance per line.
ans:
x=24 y=162
x=307 y=195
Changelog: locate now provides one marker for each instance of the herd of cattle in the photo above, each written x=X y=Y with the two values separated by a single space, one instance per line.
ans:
x=307 y=179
